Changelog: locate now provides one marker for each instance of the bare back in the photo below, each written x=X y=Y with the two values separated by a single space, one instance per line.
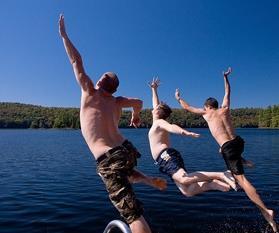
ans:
x=99 y=117
x=158 y=139
x=220 y=124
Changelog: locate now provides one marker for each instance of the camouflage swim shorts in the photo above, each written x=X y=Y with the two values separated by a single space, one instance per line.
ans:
x=114 y=170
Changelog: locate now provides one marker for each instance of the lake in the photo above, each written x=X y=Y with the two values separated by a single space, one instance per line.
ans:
x=48 y=184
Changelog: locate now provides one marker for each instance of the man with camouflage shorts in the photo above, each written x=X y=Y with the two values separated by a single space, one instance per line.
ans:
x=114 y=167
x=100 y=112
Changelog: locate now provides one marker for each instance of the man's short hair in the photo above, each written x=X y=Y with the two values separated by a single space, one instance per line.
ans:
x=164 y=111
x=110 y=82
x=211 y=102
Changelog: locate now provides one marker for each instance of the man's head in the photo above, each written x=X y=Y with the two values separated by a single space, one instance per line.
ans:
x=108 y=82
x=211 y=103
x=162 y=111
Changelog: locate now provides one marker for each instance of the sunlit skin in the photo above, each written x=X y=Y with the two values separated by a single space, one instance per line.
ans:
x=221 y=127
x=189 y=184
x=100 y=112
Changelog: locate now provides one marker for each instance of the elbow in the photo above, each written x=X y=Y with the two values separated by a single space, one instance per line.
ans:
x=186 y=107
x=140 y=103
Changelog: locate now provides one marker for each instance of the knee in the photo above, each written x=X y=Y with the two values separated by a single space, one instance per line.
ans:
x=184 y=180
x=188 y=193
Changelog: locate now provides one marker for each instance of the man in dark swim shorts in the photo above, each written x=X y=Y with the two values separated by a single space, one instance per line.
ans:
x=170 y=161
x=232 y=146
x=231 y=151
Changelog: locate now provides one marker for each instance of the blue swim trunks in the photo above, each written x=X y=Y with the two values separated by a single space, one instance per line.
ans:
x=170 y=161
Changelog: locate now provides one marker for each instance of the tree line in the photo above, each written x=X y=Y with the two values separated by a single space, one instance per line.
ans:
x=17 y=115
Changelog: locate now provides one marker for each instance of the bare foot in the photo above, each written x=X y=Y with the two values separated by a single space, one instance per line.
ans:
x=158 y=183
x=219 y=185
x=247 y=163
x=228 y=178
x=269 y=217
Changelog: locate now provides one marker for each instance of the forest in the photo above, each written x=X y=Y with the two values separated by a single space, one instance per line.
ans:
x=17 y=115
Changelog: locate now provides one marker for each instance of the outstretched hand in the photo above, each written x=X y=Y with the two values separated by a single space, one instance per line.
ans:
x=177 y=94
x=155 y=83
x=62 y=30
x=228 y=72
x=191 y=134
x=194 y=135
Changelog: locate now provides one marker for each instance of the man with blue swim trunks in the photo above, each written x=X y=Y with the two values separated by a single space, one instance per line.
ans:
x=169 y=159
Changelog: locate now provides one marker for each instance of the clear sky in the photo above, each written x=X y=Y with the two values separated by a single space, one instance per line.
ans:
x=187 y=43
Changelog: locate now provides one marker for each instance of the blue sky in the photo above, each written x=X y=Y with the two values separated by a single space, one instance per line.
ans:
x=186 y=43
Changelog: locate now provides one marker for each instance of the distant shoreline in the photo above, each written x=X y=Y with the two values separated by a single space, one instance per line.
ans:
x=24 y=116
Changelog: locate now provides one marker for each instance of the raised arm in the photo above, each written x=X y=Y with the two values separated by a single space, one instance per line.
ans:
x=84 y=81
x=226 y=100
x=172 y=128
x=136 y=104
x=186 y=106
x=154 y=86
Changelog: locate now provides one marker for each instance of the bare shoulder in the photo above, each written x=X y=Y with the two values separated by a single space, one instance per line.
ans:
x=157 y=123
x=163 y=124
x=88 y=97
x=161 y=121
x=206 y=115
x=121 y=100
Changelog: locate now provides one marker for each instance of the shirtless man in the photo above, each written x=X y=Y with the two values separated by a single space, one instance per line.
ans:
x=170 y=161
x=220 y=125
x=116 y=157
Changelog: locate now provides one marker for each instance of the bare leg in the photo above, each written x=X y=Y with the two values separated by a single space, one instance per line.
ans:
x=200 y=187
x=254 y=197
x=183 y=178
x=156 y=182
x=140 y=226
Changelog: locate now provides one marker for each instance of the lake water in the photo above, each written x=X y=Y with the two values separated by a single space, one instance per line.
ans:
x=48 y=184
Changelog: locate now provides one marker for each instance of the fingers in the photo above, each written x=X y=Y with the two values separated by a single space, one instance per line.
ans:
x=61 y=18
x=226 y=73
x=155 y=82
x=195 y=135
x=134 y=124
x=177 y=94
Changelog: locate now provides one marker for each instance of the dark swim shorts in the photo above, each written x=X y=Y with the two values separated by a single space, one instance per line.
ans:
x=114 y=167
x=231 y=151
x=170 y=161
